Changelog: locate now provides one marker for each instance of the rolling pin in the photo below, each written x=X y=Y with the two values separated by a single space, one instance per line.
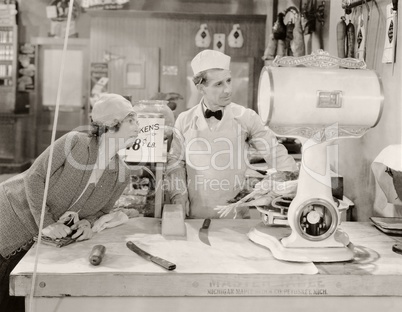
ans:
x=97 y=253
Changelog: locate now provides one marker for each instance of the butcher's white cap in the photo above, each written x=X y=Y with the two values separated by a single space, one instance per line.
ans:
x=209 y=59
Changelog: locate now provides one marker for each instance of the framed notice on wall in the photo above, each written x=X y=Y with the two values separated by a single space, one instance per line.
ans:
x=71 y=90
x=135 y=75
x=99 y=78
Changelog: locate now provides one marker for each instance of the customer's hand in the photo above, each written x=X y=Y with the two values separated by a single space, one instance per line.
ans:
x=84 y=230
x=183 y=201
x=56 y=230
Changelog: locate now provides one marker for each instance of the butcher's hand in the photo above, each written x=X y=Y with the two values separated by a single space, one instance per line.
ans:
x=84 y=230
x=182 y=200
x=56 y=230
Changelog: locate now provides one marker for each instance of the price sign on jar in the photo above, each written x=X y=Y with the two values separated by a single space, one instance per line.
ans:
x=150 y=145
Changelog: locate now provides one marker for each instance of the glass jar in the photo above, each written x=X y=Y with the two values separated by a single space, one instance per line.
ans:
x=157 y=107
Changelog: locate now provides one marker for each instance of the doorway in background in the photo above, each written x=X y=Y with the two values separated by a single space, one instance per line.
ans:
x=74 y=106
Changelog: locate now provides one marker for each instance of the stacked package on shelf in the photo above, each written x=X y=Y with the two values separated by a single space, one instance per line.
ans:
x=57 y=12
x=105 y=4
x=8 y=13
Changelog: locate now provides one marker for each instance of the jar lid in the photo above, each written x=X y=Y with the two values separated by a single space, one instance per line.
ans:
x=149 y=115
x=153 y=102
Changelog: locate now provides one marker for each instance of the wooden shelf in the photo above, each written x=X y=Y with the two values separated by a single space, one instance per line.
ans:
x=177 y=15
x=59 y=41
x=13 y=115
x=8 y=96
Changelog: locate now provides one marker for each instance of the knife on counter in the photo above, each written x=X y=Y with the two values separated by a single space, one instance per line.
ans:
x=142 y=253
x=203 y=233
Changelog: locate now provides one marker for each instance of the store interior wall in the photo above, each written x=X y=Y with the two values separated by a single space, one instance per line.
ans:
x=355 y=155
x=34 y=23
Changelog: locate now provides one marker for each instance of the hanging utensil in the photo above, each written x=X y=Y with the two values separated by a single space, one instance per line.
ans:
x=350 y=40
x=361 y=38
x=321 y=20
x=341 y=37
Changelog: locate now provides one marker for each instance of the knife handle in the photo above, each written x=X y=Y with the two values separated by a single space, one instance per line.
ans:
x=163 y=263
x=206 y=223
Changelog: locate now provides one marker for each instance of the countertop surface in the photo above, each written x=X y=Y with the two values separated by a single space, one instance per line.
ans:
x=232 y=262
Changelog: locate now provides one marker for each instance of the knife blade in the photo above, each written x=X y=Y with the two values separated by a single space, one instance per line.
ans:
x=142 y=253
x=203 y=233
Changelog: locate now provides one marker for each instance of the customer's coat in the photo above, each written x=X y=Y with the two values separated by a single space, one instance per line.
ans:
x=74 y=157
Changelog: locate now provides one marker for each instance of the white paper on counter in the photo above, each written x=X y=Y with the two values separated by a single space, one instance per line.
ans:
x=230 y=252
x=387 y=203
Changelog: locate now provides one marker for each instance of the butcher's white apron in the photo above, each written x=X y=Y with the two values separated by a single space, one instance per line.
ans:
x=216 y=163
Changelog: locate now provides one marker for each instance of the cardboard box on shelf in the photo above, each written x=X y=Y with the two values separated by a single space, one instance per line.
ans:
x=58 y=29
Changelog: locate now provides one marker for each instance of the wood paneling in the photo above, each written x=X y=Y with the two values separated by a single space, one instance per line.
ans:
x=205 y=6
x=174 y=35
x=146 y=60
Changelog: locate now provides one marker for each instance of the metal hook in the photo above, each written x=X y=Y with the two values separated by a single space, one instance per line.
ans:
x=367 y=6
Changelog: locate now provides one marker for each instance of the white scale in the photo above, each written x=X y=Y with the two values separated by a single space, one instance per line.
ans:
x=317 y=99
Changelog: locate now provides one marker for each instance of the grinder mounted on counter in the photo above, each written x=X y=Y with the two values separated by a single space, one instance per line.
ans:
x=317 y=99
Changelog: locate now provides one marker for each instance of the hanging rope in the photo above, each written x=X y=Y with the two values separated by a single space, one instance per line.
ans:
x=49 y=166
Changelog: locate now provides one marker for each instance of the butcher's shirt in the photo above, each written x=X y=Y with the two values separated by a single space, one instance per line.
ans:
x=257 y=136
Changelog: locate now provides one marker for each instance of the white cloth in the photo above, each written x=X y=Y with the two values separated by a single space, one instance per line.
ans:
x=391 y=156
x=110 y=220
x=387 y=203
x=69 y=217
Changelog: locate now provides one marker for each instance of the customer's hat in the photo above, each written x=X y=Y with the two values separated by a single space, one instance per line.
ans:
x=110 y=109
x=209 y=59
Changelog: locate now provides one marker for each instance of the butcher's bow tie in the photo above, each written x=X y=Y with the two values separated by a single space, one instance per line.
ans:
x=218 y=114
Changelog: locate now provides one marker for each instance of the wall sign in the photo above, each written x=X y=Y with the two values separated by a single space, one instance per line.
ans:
x=135 y=75
x=219 y=42
x=203 y=38
x=99 y=80
x=235 y=38
x=149 y=145
x=169 y=70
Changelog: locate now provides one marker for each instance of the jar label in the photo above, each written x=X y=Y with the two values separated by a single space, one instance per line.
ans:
x=149 y=145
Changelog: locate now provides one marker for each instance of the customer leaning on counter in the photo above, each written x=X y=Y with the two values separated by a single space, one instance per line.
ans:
x=87 y=177
x=208 y=155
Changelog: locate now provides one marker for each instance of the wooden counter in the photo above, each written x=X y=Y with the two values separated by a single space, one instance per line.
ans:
x=205 y=278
